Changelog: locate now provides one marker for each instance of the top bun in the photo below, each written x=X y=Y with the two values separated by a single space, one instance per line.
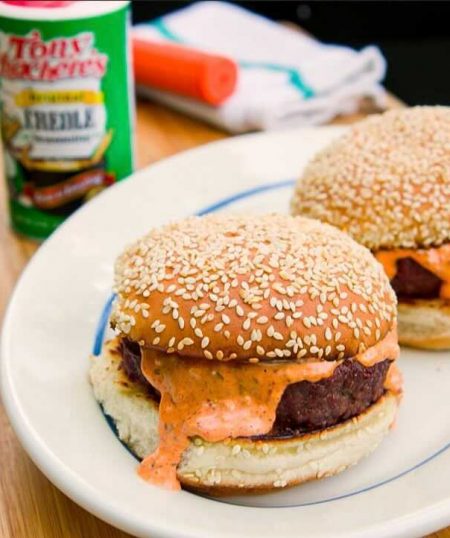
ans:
x=252 y=287
x=386 y=182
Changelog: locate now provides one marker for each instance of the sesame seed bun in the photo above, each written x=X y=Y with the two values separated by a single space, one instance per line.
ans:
x=424 y=324
x=230 y=287
x=386 y=182
x=238 y=465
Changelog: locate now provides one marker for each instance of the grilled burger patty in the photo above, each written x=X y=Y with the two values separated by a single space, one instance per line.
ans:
x=412 y=281
x=304 y=406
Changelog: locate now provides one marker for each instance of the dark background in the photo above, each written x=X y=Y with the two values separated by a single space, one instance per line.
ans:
x=413 y=36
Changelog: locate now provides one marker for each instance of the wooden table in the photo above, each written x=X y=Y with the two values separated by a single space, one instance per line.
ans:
x=30 y=506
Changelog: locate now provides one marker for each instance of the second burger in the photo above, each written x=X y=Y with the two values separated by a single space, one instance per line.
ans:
x=387 y=183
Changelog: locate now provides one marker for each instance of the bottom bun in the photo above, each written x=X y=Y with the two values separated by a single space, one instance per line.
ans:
x=424 y=324
x=238 y=465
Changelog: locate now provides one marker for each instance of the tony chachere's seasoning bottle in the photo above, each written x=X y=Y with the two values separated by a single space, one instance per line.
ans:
x=67 y=106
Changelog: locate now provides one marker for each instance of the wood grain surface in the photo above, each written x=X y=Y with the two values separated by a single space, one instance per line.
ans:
x=30 y=506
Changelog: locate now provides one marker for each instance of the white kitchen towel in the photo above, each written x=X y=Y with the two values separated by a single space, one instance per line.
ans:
x=286 y=78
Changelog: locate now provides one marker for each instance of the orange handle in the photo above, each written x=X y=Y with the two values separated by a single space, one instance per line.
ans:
x=183 y=70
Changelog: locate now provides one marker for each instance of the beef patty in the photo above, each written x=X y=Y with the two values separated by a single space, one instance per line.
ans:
x=304 y=406
x=412 y=281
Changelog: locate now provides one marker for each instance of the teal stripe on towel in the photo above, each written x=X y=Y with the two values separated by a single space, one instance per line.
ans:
x=165 y=31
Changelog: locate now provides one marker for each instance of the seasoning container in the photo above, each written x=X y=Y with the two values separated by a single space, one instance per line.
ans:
x=66 y=106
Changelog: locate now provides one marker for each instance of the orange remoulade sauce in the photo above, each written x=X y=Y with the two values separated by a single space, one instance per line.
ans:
x=219 y=400
x=436 y=260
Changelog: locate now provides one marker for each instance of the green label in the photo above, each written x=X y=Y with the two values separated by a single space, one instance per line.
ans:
x=65 y=114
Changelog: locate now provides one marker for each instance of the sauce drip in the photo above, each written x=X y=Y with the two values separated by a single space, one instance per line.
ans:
x=394 y=380
x=387 y=348
x=436 y=260
x=216 y=401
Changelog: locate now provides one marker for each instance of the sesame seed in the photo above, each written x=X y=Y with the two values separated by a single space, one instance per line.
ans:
x=235 y=450
x=255 y=335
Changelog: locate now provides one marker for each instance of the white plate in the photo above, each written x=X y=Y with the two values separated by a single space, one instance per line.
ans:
x=403 y=489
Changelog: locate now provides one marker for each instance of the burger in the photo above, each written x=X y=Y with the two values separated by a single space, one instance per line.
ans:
x=386 y=182
x=251 y=353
